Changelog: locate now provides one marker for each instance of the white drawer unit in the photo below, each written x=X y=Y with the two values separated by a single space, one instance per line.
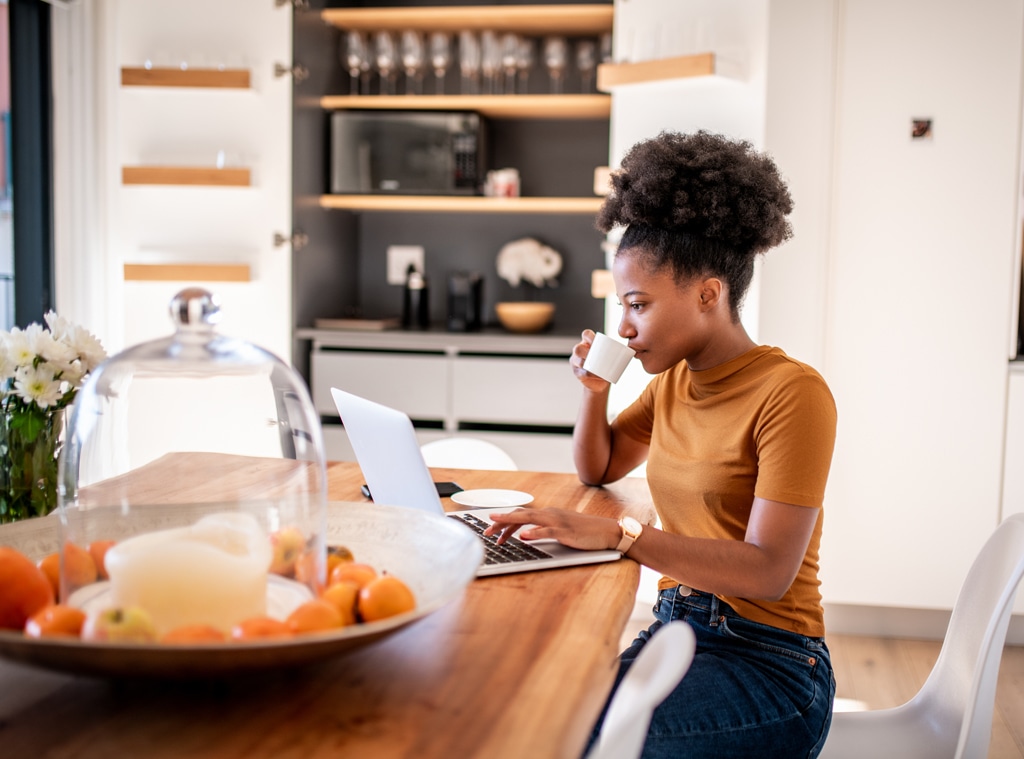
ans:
x=415 y=383
x=465 y=382
x=514 y=390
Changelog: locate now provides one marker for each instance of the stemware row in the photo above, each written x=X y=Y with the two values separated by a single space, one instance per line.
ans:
x=488 y=63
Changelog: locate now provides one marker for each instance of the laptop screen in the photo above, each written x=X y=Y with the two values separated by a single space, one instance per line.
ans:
x=388 y=453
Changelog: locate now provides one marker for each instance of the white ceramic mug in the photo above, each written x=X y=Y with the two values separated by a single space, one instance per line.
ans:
x=608 y=357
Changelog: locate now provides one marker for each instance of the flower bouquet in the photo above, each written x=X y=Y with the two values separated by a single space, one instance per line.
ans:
x=41 y=371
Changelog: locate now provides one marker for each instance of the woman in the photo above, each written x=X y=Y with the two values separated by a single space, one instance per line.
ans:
x=738 y=441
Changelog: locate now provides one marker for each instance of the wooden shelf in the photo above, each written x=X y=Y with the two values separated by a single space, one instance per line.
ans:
x=461 y=204
x=176 y=77
x=610 y=75
x=491 y=106
x=185 y=175
x=523 y=19
x=187 y=273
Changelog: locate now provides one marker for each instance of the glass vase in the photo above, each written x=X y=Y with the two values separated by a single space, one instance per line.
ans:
x=29 y=445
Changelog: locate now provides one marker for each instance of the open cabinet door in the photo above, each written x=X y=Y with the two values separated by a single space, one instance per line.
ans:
x=199 y=145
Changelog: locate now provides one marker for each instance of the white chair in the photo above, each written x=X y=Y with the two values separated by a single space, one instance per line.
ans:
x=951 y=716
x=466 y=453
x=658 y=668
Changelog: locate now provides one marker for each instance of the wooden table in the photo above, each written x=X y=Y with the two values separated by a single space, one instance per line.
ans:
x=519 y=668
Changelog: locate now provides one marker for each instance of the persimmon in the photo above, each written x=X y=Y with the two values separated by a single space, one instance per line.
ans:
x=314 y=616
x=385 y=597
x=79 y=568
x=24 y=589
x=260 y=628
x=98 y=550
x=198 y=633
x=343 y=595
x=305 y=567
x=360 y=574
x=56 y=620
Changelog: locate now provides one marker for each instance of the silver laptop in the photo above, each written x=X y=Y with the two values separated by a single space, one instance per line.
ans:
x=389 y=455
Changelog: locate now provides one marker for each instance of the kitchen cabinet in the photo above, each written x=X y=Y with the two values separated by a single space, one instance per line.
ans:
x=197 y=157
x=519 y=393
x=917 y=364
x=511 y=385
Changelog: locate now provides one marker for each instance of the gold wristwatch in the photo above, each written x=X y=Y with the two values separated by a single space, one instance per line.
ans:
x=631 y=530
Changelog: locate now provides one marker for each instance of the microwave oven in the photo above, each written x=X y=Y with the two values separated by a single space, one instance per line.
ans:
x=406 y=152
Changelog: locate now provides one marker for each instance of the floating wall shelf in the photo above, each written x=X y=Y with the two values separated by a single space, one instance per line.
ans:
x=177 y=77
x=491 y=106
x=523 y=19
x=185 y=175
x=610 y=75
x=461 y=204
x=187 y=273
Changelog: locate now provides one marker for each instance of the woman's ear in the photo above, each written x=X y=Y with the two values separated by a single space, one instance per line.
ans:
x=710 y=293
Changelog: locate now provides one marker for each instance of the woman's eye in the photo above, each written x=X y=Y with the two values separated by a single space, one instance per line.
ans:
x=636 y=306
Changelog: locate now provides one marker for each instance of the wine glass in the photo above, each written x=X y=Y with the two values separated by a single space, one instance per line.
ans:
x=606 y=47
x=413 y=57
x=469 y=62
x=509 y=53
x=490 y=61
x=357 y=60
x=586 y=62
x=387 y=60
x=524 y=62
x=440 y=58
x=556 y=58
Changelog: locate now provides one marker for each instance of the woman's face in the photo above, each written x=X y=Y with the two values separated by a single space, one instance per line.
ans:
x=664 y=321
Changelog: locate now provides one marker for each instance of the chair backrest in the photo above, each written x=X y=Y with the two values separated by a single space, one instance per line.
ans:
x=655 y=672
x=466 y=453
x=959 y=694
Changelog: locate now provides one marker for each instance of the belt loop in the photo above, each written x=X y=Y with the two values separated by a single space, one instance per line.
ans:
x=713 y=611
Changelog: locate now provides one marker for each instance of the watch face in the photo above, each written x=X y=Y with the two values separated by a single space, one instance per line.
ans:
x=631 y=526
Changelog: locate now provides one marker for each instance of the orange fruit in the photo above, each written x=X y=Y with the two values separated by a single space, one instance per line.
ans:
x=260 y=628
x=24 y=589
x=55 y=620
x=352 y=571
x=98 y=550
x=49 y=565
x=314 y=616
x=198 y=633
x=385 y=597
x=79 y=568
x=343 y=595
x=305 y=568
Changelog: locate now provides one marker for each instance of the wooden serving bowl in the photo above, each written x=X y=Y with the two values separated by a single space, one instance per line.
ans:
x=525 y=316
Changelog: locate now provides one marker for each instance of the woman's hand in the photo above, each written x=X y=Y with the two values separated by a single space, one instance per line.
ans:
x=579 y=354
x=570 y=528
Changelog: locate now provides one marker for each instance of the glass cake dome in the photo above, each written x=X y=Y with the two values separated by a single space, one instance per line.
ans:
x=196 y=463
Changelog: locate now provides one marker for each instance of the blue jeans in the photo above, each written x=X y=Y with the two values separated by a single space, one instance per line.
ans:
x=752 y=691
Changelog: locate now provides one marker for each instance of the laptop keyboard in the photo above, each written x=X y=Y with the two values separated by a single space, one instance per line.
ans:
x=511 y=551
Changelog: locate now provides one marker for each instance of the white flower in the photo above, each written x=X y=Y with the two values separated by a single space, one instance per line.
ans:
x=7 y=366
x=38 y=385
x=24 y=345
x=88 y=347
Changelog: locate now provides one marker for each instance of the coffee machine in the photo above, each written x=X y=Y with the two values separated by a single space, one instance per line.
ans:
x=465 y=301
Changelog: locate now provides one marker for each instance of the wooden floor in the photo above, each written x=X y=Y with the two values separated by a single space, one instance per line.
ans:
x=884 y=672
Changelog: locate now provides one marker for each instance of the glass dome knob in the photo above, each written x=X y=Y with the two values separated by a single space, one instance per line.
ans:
x=195 y=308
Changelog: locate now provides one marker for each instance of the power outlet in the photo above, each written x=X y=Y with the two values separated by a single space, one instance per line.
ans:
x=399 y=258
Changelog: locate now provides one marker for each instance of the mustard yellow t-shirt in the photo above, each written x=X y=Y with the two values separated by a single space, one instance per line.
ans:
x=762 y=424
